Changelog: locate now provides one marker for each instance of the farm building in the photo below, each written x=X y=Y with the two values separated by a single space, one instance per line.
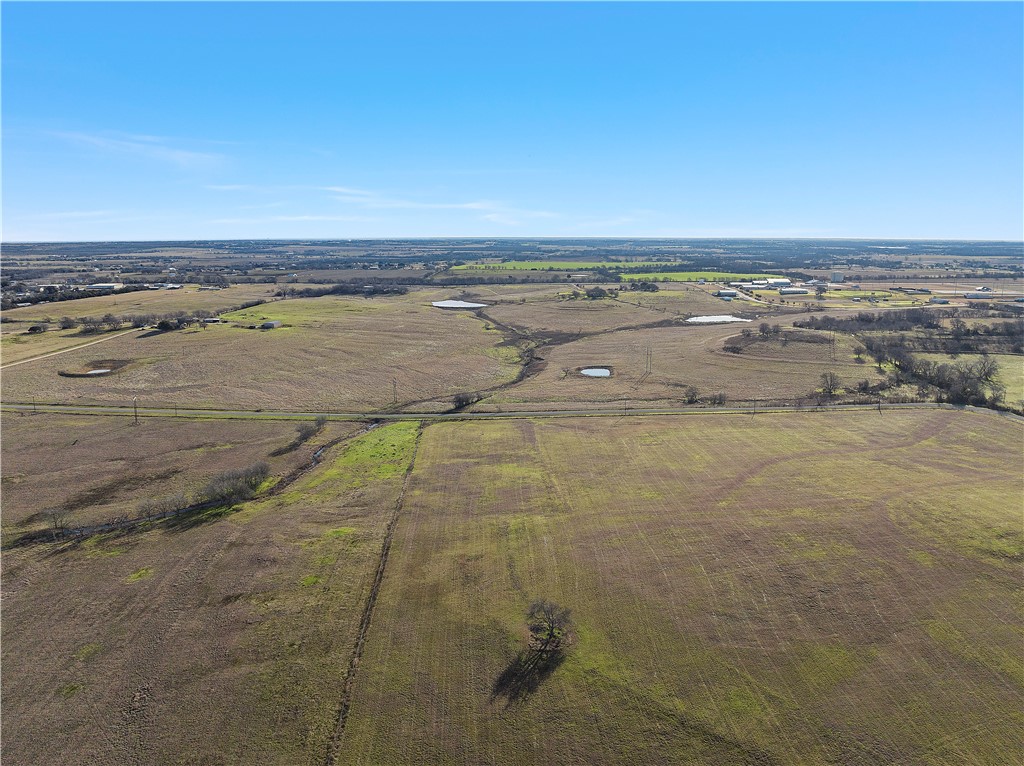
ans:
x=837 y=276
x=779 y=282
x=793 y=291
x=272 y=324
x=726 y=293
x=105 y=286
x=940 y=301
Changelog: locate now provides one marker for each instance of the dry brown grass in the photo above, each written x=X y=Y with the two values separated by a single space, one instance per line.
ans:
x=101 y=467
x=682 y=356
x=186 y=299
x=215 y=643
x=333 y=354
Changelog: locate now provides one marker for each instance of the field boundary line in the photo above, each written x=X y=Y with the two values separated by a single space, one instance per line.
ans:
x=194 y=413
x=367 y=617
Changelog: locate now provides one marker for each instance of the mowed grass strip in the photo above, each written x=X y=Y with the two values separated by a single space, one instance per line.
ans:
x=783 y=589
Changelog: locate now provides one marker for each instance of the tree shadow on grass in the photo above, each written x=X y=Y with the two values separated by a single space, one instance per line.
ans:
x=189 y=519
x=525 y=674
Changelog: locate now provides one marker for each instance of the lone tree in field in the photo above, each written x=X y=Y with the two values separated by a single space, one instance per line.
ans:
x=58 y=518
x=829 y=383
x=549 y=625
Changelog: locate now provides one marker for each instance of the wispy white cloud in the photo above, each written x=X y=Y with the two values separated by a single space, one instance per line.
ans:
x=151 y=147
x=493 y=211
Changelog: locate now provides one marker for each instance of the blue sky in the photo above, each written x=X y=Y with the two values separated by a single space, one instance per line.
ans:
x=323 y=120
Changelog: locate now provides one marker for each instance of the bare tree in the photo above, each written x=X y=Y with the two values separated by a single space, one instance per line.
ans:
x=829 y=383
x=549 y=624
x=58 y=518
x=987 y=368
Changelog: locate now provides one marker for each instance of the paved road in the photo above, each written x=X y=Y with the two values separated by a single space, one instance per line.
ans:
x=66 y=350
x=194 y=413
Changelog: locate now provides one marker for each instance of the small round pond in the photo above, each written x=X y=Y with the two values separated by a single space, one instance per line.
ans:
x=596 y=372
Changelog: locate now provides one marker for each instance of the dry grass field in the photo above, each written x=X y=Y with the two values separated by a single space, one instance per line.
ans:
x=554 y=316
x=682 y=356
x=99 y=468
x=332 y=354
x=783 y=589
x=18 y=345
x=218 y=643
x=189 y=298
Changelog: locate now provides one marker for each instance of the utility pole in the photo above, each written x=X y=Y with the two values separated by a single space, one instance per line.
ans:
x=135 y=406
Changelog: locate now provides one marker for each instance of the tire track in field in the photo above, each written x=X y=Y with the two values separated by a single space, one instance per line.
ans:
x=371 y=601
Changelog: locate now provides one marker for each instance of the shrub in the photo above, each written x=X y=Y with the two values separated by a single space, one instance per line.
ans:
x=235 y=486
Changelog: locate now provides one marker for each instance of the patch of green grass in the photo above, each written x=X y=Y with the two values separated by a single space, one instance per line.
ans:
x=333 y=534
x=923 y=558
x=70 y=690
x=141 y=574
x=309 y=580
x=824 y=666
x=97 y=546
x=381 y=454
x=86 y=651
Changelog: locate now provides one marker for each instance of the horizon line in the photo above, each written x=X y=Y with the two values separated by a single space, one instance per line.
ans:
x=522 y=237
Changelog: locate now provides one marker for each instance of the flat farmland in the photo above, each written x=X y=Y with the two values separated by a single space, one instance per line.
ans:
x=332 y=353
x=568 y=316
x=187 y=299
x=224 y=642
x=107 y=465
x=683 y=355
x=836 y=588
x=17 y=345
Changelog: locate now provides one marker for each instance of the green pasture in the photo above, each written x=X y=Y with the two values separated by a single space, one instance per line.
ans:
x=785 y=589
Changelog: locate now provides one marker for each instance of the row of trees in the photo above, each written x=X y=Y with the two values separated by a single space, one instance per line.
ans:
x=962 y=382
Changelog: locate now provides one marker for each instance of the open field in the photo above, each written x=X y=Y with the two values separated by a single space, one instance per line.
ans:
x=189 y=298
x=17 y=345
x=99 y=468
x=223 y=642
x=560 y=315
x=682 y=356
x=333 y=353
x=794 y=589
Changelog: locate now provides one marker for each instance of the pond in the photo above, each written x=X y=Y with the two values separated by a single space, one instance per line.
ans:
x=716 y=319
x=457 y=305
x=596 y=372
x=100 y=371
